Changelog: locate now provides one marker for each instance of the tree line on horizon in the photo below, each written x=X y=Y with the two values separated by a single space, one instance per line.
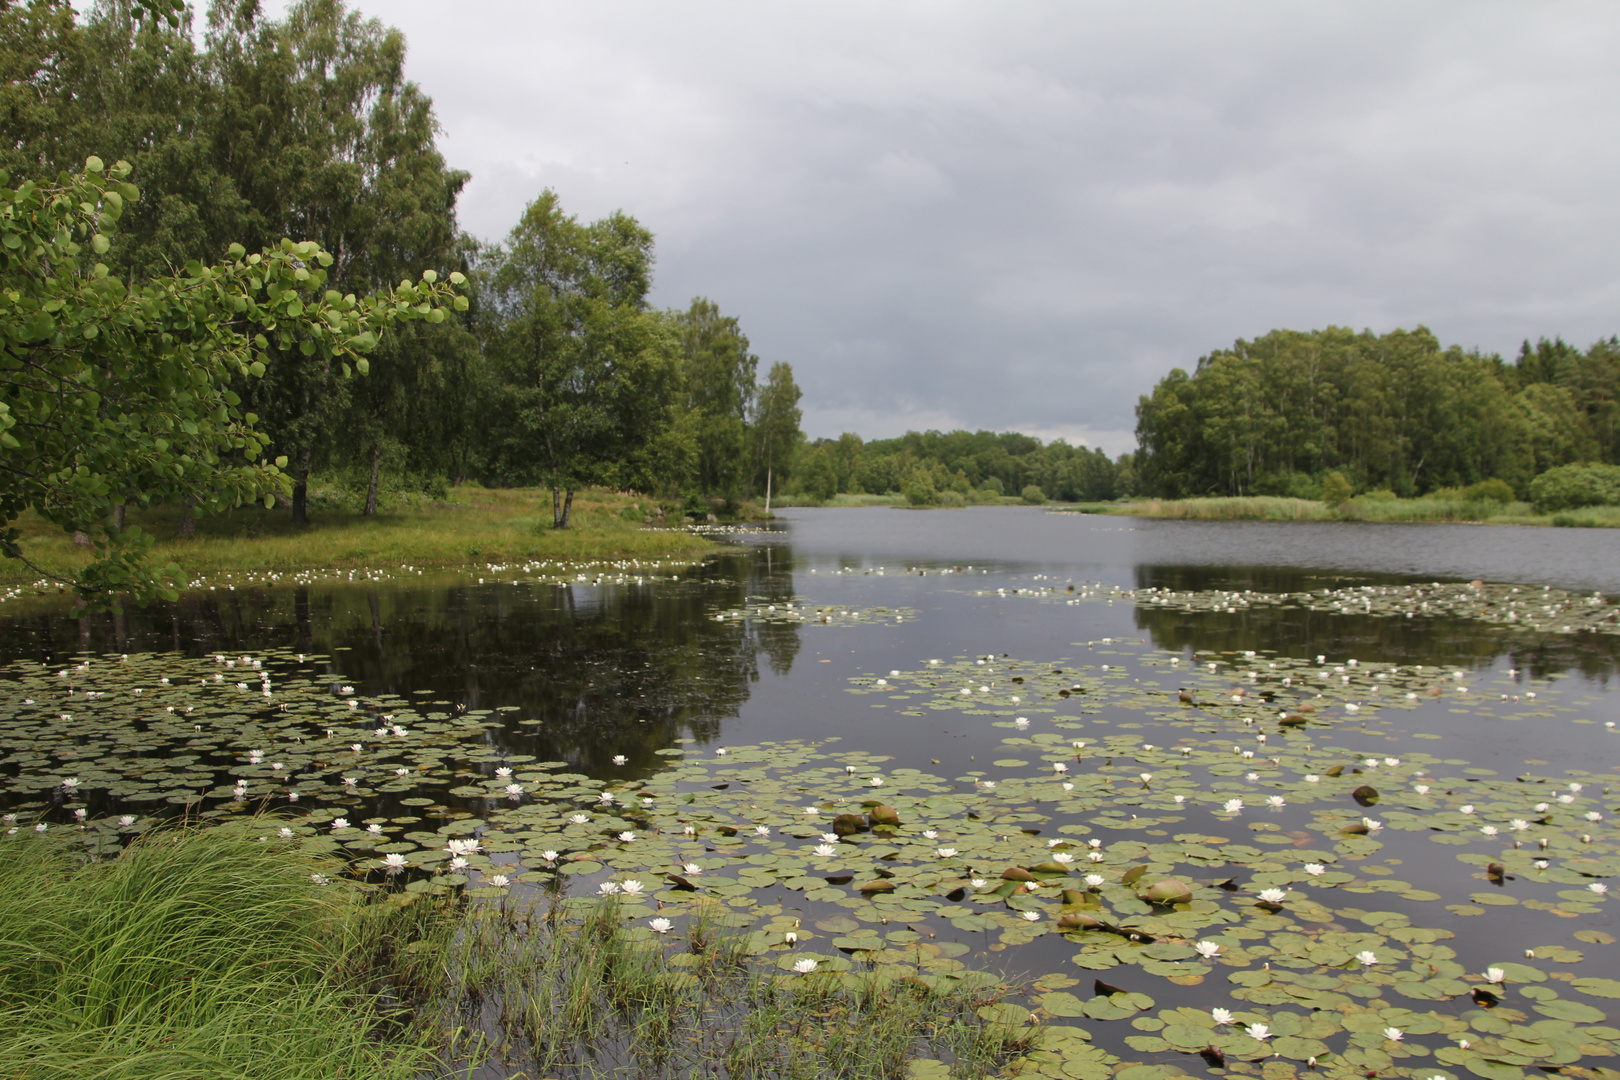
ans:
x=1393 y=412
x=557 y=373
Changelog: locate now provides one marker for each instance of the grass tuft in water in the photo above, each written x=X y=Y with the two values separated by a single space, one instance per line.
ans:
x=568 y=989
x=197 y=954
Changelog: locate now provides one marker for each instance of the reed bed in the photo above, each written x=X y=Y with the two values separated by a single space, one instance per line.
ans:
x=570 y=989
x=1432 y=509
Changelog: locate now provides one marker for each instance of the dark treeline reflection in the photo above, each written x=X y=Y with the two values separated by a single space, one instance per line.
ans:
x=586 y=671
x=1439 y=641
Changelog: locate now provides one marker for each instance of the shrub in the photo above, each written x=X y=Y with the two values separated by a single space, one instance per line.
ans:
x=1336 y=490
x=919 y=490
x=952 y=498
x=1570 y=487
x=1381 y=495
x=993 y=483
x=1034 y=496
x=1492 y=490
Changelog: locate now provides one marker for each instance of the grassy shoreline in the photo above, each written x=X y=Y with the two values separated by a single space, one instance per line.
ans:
x=1274 y=508
x=473 y=526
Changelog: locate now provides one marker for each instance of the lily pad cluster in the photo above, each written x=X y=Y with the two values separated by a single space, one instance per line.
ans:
x=1196 y=871
x=1544 y=609
x=800 y=612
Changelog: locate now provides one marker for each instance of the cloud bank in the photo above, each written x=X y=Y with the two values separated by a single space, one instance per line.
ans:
x=1019 y=216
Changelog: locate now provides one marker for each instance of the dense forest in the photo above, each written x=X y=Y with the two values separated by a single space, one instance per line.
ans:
x=932 y=468
x=1393 y=412
x=554 y=371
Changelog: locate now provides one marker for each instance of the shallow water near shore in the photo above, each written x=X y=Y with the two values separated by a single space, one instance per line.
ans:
x=745 y=694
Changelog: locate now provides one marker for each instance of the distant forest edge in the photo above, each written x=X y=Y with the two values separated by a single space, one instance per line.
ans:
x=1320 y=415
x=1393 y=413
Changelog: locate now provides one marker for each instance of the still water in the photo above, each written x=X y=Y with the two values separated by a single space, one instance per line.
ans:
x=1032 y=699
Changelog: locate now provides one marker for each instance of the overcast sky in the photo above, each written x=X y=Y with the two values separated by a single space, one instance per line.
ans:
x=1019 y=216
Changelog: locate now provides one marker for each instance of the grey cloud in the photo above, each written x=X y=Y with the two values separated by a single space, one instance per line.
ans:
x=1021 y=215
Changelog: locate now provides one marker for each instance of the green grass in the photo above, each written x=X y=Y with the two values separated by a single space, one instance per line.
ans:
x=194 y=954
x=204 y=953
x=474 y=525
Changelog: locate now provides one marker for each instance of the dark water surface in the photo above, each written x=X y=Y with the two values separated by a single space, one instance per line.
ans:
x=616 y=665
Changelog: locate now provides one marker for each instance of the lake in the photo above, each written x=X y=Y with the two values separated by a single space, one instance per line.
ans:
x=1419 y=766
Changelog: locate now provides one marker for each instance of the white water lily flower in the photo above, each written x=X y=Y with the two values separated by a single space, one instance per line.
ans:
x=401 y=771
x=632 y=887
x=1566 y=799
x=1095 y=856
x=619 y=759
x=1020 y=723
x=825 y=850
x=1259 y=1031
x=947 y=852
x=791 y=937
x=1541 y=864
x=691 y=868
x=605 y=799
x=500 y=881
x=374 y=830
x=1372 y=825
x=1598 y=887
x=930 y=834
x=458 y=863
x=1063 y=857
x=1095 y=880
x=71 y=784
x=1315 y=869
x=125 y=820
x=1367 y=957
x=1488 y=830
x=627 y=836
x=1465 y=808
x=989 y=785
x=1273 y=896
x=283 y=832
x=805 y=966
x=978 y=882
x=1221 y=1016
x=1593 y=815
x=1251 y=777
x=1233 y=806
x=762 y=830
x=1275 y=801
x=340 y=823
x=503 y=772
x=320 y=879
x=660 y=926
x=1059 y=767
x=829 y=837
x=1032 y=916
x=394 y=861
x=877 y=781
x=1495 y=975
x=514 y=789
x=1421 y=789
x=1394 y=1034
x=608 y=888
x=1207 y=949
x=578 y=819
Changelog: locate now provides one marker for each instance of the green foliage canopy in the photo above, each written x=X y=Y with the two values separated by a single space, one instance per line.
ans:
x=113 y=392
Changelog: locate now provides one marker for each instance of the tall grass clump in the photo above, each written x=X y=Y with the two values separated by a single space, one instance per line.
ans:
x=192 y=955
x=570 y=989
